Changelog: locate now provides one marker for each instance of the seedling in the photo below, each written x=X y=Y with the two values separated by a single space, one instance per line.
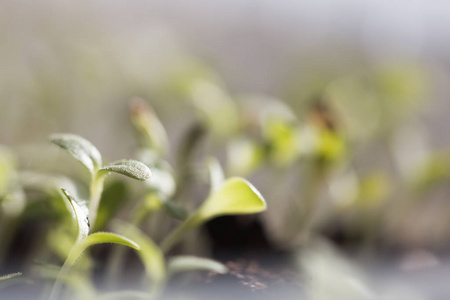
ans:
x=227 y=197
x=87 y=154
x=235 y=196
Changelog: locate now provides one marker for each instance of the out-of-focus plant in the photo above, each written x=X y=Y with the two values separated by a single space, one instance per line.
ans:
x=308 y=156
x=332 y=275
x=235 y=196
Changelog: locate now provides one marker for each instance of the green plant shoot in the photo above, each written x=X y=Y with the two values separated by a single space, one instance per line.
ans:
x=235 y=196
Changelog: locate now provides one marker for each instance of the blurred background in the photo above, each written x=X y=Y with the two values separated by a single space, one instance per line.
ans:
x=367 y=81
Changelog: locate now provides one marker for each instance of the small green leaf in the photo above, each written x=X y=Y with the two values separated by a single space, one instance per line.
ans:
x=128 y=167
x=80 y=216
x=10 y=276
x=80 y=148
x=98 y=238
x=236 y=196
x=151 y=256
x=191 y=263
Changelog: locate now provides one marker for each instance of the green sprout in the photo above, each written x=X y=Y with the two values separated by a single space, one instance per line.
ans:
x=235 y=196
x=88 y=155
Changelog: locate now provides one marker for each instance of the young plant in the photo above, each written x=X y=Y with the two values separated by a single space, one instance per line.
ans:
x=87 y=154
x=234 y=196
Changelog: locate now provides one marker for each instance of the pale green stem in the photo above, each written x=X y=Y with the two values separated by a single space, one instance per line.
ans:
x=56 y=290
x=176 y=235
x=96 y=190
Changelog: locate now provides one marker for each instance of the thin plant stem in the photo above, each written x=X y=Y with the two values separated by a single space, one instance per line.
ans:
x=177 y=234
x=96 y=190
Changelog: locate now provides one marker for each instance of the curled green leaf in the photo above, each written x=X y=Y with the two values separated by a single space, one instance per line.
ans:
x=128 y=167
x=235 y=196
x=80 y=148
x=95 y=239
x=80 y=216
